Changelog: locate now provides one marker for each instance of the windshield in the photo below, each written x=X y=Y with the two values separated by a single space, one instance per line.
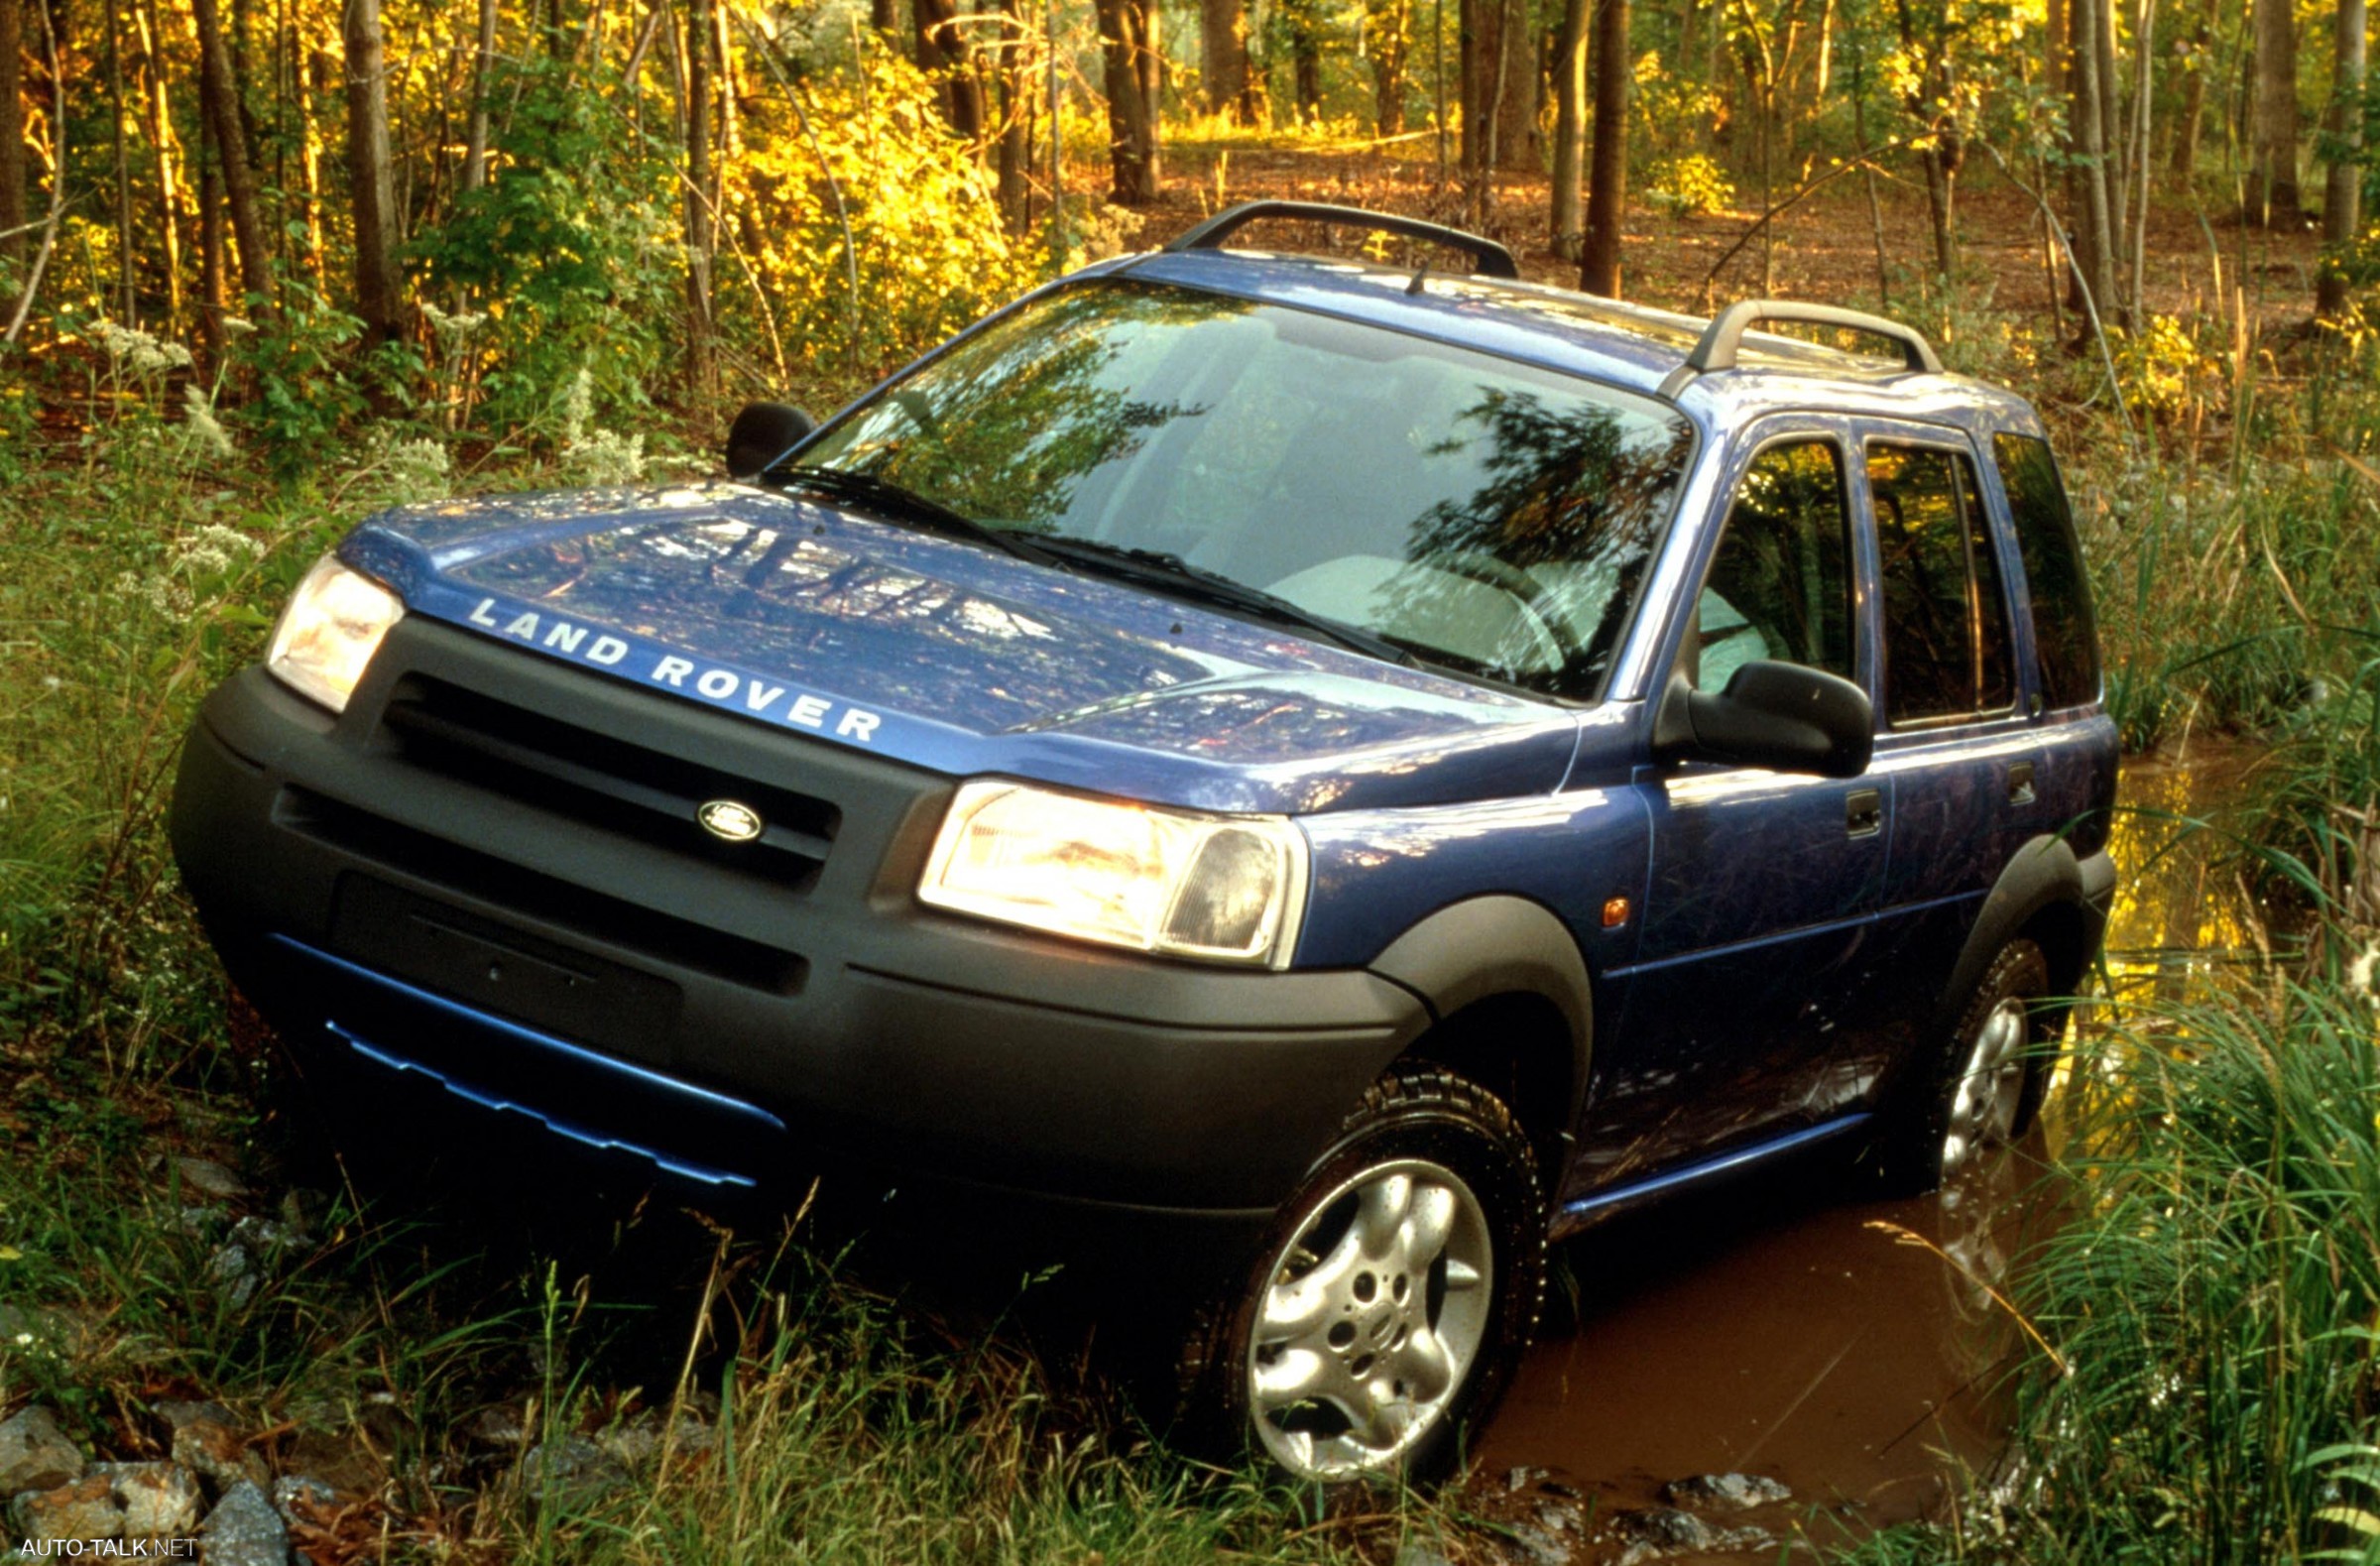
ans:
x=1488 y=516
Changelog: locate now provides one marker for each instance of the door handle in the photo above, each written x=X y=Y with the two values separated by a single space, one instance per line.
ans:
x=2021 y=784
x=1863 y=812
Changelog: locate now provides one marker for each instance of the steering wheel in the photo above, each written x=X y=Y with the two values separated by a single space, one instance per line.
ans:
x=1545 y=615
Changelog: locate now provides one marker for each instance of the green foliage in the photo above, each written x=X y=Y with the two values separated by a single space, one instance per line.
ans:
x=567 y=254
x=1690 y=185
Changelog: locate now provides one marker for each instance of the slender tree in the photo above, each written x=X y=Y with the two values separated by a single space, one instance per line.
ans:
x=1388 y=43
x=2343 y=192
x=2198 y=63
x=1222 y=49
x=379 y=287
x=2094 y=221
x=943 y=52
x=1570 y=127
x=12 y=130
x=1133 y=156
x=1606 y=191
x=701 y=230
x=2272 y=189
x=218 y=100
x=483 y=63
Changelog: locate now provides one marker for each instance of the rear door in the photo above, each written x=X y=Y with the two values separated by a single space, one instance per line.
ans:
x=1756 y=923
x=1955 y=745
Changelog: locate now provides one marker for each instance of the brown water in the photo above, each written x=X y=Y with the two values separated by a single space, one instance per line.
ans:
x=1850 y=1348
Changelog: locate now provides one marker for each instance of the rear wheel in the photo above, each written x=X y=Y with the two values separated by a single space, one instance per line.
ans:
x=1392 y=1294
x=1985 y=1083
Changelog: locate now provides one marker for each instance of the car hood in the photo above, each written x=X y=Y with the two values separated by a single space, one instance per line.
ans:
x=955 y=657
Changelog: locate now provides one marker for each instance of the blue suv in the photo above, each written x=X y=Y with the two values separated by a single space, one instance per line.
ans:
x=1383 y=766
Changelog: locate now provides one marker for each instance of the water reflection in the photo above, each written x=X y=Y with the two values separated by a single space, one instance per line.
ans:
x=1795 y=1329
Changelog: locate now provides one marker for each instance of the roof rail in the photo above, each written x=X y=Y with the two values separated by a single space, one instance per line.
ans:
x=1716 y=349
x=1489 y=258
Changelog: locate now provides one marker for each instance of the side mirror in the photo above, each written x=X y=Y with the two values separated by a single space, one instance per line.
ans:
x=1782 y=716
x=762 y=432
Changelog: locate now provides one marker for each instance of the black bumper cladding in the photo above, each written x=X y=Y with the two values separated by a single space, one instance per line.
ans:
x=487 y=880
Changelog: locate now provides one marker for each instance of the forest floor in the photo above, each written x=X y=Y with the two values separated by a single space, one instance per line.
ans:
x=1823 y=248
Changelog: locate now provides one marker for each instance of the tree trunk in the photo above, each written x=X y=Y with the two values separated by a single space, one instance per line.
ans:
x=1388 y=35
x=2094 y=222
x=218 y=102
x=2054 y=63
x=2198 y=62
x=127 y=299
x=211 y=251
x=158 y=106
x=2272 y=191
x=12 y=130
x=2343 y=187
x=1131 y=118
x=475 y=152
x=2111 y=126
x=1222 y=49
x=1570 y=128
x=1517 y=93
x=884 y=16
x=942 y=52
x=701 y=237
x=1016 y=138
x=379 y=290
x=1606 y=193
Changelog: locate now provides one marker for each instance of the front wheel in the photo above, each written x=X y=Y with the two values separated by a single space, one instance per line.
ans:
x=1392 y=1294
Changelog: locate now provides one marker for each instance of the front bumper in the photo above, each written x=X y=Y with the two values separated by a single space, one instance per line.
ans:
x=482 y=913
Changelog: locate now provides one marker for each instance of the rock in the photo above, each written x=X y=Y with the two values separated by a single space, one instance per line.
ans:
x=1660 y=1533
x=244 y=1529
x=210 y=1178
x=1724 y=1492
x=84 y=1509
x=35 y=1454
x=235 y=1269
x=263 y=1236
x=499 y=1426
x=1557 y=1519
x=161 y=1500
x=176 y=1413
x=637 y=1441
x=301 y=1498
x=1540 y=1548
x=1519 y=1479
x=214 y=1450
x=572 y=1473
x=1411 y=1553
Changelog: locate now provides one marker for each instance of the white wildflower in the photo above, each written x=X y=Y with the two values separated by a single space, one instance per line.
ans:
x=135 y=350
x=416 y=470
x=212 y=549
x=578 y=405
x=198 y=413
x=605 y=457
x=453 y=327
x=238 y=326
x=2363 y=974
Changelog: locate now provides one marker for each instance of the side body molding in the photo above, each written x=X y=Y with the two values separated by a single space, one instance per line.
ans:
x=1492 y=946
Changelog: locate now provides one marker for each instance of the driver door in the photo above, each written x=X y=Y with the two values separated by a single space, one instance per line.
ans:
x=1758 y=908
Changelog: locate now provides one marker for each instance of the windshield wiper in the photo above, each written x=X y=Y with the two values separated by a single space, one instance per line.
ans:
x=1173 y=575
x=892 y=503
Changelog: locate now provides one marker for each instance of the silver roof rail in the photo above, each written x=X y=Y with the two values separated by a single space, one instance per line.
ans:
x=1716 y=349
x=1489 y=258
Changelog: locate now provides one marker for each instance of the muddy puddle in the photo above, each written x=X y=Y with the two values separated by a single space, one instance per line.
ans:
x=1789 y=1329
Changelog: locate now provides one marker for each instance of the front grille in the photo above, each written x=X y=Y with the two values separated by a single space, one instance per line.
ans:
x=561 y=905
x=604 y=782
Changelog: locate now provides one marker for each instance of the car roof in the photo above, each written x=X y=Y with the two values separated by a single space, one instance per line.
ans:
x=1632 y=346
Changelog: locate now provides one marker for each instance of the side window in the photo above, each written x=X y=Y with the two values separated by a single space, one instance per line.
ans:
x=2063 y=628
x=1946 y=647
x=1780 y=585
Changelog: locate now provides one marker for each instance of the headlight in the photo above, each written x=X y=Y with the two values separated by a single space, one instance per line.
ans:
x=1226 y=889
x=330 y=631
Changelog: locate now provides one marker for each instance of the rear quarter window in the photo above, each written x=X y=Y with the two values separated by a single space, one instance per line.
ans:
x=2064 y=632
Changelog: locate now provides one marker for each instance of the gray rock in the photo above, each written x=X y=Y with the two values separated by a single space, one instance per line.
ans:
x=1540 y=1548
x=234 y=1269
x=1412 y=1553
x=245 y=1530
x=498 y=1426
x=1724 y=1492
x=35 y=1454
x=297 y=1496
x=1660 y=1533
x=176 y=1413
x=263 y=1235
x=1519 y=1479
x=216 y=1450
x=210 y=1178
x=572 y=1473
x=85 y=1509
x=161 y=1500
